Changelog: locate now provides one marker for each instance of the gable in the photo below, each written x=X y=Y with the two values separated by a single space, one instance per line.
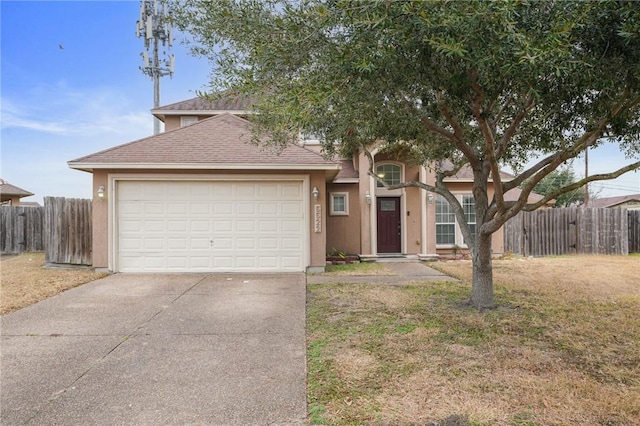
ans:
x=220 y=142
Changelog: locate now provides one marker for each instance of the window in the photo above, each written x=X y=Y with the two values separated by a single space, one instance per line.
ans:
x=310 y=138
x=186 y=120
x=445 y=222
x=447 y=228
x=469 y=207
x=390 y=173
x=339 y=204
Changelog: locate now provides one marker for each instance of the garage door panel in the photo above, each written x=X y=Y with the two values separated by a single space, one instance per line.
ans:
x=199 y=226
x=246 y=208
x=210 y=226
x=223 y=243
x=222 y=262
x=245 y=225
x=152 y=226
x=294 y=226
x=223 y=225
x=154 y=244
x=290 y=208
x=177 y=243
x=268 y=208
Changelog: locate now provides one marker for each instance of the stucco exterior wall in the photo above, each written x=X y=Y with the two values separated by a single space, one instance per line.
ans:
x=318 y=240
x=100 y=212
x=343 y=232
x=412 y=219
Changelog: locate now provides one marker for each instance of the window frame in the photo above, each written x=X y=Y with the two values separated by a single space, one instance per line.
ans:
x=459 y=238
x=386 y=164
x=185 y=118
x=332 y=210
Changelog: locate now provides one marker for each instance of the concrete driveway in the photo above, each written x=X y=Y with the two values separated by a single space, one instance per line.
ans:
x=159 y=349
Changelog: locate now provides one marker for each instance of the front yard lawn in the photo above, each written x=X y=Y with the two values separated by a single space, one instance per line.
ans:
x=24 y=281
x=563 y=348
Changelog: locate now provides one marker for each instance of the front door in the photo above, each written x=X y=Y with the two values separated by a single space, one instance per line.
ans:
x=388 y=225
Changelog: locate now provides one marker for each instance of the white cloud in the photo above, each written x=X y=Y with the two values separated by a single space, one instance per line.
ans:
x=62 y=110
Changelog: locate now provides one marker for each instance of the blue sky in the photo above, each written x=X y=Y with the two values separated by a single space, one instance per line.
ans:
x=60 y=104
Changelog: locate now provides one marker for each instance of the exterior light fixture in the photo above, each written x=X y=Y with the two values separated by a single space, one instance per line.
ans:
x=315 y=193
x=101 y=192
x=430 y=198
x=367 y=198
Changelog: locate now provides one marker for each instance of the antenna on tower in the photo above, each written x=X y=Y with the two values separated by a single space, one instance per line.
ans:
x=154 y=27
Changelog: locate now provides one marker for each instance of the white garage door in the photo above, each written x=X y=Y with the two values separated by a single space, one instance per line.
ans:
x=203 y=226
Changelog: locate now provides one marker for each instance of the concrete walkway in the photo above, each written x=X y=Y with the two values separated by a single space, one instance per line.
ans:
x=159 y=350
x=403 y=270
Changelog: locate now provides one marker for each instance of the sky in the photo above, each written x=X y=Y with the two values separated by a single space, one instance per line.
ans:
x=70 y=85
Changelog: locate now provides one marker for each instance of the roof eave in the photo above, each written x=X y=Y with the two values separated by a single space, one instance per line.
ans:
x=89 y=167
x=163 y=113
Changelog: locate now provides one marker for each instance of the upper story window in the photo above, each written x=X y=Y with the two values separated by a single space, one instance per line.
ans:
x=390 y=173
x=186 y=120
x=310 y=139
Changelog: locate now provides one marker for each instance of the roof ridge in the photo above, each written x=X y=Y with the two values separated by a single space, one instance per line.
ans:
x=176 y=103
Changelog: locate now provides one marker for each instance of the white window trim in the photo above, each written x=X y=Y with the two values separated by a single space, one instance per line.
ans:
x=385 y=163
x=309 y=139
x=185 y=118
x=332 y=211
x=458 y=232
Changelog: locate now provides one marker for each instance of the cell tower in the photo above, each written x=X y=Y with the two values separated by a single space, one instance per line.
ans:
x=155 y=28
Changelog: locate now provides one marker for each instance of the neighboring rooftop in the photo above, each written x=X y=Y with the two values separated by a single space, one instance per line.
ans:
x=614 y=201
x=8 y=191
x=514 y=194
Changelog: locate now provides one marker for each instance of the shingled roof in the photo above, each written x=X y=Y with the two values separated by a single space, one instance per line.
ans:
x=219 y=142
x=8 y=190
x=200 y=106
x=614 y=201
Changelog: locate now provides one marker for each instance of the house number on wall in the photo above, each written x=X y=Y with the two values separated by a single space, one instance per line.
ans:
x=317 y=218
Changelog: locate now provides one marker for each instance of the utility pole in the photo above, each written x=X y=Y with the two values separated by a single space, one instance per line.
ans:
x=154 y=27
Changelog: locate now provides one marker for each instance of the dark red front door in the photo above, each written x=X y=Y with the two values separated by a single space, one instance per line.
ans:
x=388 y=225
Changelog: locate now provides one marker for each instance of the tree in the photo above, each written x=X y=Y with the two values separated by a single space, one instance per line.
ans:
x=556 y=180
x=464 y=84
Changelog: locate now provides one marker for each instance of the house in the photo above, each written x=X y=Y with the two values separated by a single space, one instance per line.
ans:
x=514 y=195
x=201 y=197
x=10 y=194
x=628 y=202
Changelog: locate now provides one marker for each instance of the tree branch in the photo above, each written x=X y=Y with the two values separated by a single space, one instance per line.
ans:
x=581 y=183
x=511 y=130
x=466 y=149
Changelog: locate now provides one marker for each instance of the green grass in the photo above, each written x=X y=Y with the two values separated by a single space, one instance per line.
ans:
x=364 y=268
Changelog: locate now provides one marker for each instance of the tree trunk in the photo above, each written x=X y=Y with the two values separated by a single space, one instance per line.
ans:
x=482 y=278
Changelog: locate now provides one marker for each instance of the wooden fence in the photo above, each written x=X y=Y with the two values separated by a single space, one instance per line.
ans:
x=62 y=229
x=21 y=229
x=67 y=239
x=571 y=230
x=633 y=217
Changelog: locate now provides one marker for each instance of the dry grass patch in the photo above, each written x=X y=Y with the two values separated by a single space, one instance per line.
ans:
x=24 y=281
x=359 y=269
x=560 y=349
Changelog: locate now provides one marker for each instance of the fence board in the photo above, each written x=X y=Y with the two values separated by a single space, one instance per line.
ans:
x=571 y=230
x=633 y=227
x=68 y=236
x=21 y=229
